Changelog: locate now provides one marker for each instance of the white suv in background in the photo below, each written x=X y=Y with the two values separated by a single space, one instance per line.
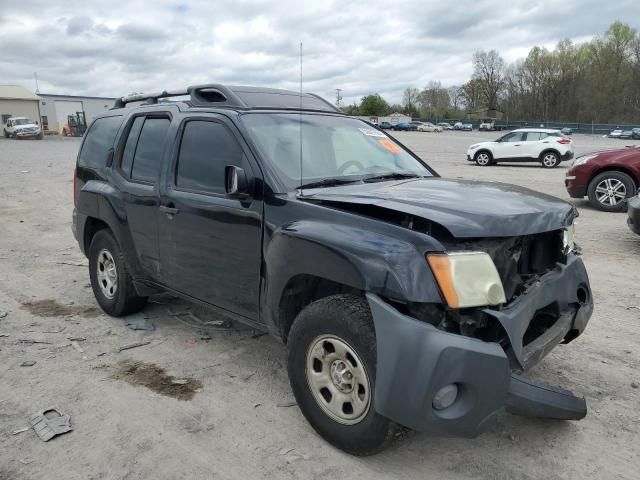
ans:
x=549 y=147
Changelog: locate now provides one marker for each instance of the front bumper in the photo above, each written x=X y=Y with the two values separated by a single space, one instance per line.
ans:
x=574 y=185
x=415 y=360
x=33 y=134
x=633 y=210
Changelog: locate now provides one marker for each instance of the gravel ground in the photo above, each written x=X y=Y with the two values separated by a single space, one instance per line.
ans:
x=224 y=408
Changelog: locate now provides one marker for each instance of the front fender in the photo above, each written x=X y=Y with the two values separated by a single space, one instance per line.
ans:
x=357 y=257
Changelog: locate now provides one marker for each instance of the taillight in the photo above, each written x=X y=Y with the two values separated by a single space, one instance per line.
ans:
x=75 y=188
x=564 y=141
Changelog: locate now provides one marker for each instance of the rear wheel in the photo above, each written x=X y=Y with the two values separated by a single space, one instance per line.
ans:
x=332 y=370
x=609 y=191
x=110 y=279
x=483 y=158
x=550 y=159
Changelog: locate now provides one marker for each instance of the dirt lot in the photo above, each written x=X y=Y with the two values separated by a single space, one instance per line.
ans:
x=209 y=399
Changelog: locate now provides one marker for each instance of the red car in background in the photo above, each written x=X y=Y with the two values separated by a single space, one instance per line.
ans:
x=608 y=178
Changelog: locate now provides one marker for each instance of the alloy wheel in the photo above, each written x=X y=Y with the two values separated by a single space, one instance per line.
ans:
x=483 y=159
x=611 y=192
x=550 y=160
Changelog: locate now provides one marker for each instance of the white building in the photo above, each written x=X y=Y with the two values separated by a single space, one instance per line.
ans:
x=17 y=101
x=55 y=109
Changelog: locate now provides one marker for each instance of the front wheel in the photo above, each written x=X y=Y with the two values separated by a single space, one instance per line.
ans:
x=609 y=191
x=332 y=370
x=483 y=159
x=550 y=160
x=110 y=279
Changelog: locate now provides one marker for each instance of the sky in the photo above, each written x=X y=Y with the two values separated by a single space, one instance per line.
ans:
x=112 y=48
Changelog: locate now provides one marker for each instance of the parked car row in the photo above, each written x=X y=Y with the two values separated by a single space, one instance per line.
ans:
x=634 y=133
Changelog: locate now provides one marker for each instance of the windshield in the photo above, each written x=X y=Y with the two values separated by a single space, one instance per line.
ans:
x=332 y=147
x=22 y=121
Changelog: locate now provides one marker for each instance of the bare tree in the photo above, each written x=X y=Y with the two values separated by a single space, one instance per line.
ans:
x=489 y=69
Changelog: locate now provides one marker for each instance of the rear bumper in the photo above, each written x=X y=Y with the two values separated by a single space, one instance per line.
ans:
x=415 y=360
x=567 y=156
x=634 y=214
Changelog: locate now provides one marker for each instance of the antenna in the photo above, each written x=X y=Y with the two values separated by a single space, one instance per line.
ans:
x=338 y=97
x=300 y=120
x=35 y=75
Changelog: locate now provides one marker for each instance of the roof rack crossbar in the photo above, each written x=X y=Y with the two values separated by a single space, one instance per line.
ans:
x=150 y=97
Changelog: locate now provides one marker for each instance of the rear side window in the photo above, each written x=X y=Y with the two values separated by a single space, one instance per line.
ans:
x=206 y=149
x=536 y=136
x=148 y=153
x=99 y=140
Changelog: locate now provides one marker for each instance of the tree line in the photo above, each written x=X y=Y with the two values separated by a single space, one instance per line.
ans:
x=597 y=81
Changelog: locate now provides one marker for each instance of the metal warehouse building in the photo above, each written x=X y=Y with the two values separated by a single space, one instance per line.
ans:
x=17 y=101
x=56 y=109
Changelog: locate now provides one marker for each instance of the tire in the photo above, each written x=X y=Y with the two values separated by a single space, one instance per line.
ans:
x=483 y=158
x=114 y=291
x=549 y=159
x=344 y=323
x=608 y=191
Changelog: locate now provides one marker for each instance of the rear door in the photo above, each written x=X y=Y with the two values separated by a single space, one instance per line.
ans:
x=533 y=145
x=138 y=167
x=210 y=245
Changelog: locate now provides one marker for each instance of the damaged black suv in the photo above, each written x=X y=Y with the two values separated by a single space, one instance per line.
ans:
x=404 y=299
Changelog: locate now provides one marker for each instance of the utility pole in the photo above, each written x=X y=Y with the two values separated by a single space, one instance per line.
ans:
x=338 y=97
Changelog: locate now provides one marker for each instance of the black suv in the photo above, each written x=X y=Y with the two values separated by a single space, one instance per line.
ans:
x=405 y=299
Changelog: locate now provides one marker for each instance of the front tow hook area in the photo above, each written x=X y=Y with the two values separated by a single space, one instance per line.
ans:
x=531 y=399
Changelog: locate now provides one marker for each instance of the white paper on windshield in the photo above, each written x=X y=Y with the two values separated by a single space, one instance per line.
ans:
x=370 y=132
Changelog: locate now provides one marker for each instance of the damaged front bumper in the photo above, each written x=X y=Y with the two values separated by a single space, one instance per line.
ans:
x=415 y=360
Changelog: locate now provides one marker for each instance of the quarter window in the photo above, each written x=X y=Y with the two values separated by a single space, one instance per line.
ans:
x=206 y=149
x=148 y=152
x=98 y=141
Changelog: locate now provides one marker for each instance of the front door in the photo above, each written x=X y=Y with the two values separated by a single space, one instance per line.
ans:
x=210 y=245
x=510 y=146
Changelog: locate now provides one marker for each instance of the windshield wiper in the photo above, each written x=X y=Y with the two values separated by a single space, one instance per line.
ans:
x=391 y=176
x=328 y=182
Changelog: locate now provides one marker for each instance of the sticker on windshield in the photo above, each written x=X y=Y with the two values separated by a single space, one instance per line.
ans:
x=389 y=145
x=370 y=132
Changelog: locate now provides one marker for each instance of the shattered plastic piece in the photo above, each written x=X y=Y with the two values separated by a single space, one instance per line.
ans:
x=50 y=423
x=133 y=345
x=140 y=324
x=3 y=314
x=19 y=430
x=28 y=363
x=202 y=335
x=286 y=404
x=77 y=346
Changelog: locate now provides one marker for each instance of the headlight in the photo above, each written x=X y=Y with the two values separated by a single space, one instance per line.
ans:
x=467 y=279
x=584 y=159
x=568 y=238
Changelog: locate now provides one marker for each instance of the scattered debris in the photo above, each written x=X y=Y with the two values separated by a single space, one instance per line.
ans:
x=140 y=323
x=133 y=345
x=4 y=334
x=3 y=314
x=26 y=461
x=77 y=346
x=202 y=335
x=633 y=306
x=256 y=405
x=76 y=339
x=286 y=450
x=286 y=404
x=73 y=264
x=28 y=363
x=20 y=430
x=51 y=308
x=155 y=378
x=50 y=423
x=634 y=385
x=28 y=341
x=56 y=331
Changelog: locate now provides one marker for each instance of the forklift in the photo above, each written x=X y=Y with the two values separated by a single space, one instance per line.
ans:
x=76 y=125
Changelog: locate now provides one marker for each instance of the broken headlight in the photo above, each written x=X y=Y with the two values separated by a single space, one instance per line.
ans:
x=467 y=279
x=568 y=238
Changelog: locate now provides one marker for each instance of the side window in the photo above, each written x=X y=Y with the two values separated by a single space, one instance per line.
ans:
x=514 y=137
x=98 y=141
x=535 y=136
x=148 y=153
x=130 y=146
x=206 y=148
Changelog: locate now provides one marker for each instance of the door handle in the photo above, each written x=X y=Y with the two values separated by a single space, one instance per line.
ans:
x=169 y=210
x=517 y=145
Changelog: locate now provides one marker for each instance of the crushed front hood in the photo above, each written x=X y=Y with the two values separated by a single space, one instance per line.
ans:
x=467 y=209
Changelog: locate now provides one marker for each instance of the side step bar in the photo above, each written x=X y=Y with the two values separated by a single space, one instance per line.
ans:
x=531 y=399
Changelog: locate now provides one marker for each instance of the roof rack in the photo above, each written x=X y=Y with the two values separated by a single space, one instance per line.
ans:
x=238 y=97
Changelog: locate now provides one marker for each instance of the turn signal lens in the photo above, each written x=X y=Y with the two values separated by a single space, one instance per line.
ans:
x=467 y=279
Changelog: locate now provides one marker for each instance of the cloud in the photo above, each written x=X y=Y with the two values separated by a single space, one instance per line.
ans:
x=112 y=48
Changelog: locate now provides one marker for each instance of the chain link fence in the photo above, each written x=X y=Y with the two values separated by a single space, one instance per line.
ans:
x=506 y=124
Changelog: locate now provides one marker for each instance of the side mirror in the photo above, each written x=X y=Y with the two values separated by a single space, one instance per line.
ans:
x=236 y=182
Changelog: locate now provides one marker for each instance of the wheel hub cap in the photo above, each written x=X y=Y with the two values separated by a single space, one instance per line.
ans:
x=338 y=379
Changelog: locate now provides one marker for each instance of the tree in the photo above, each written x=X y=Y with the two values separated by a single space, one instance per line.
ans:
x=373 y=105
x=472 y=94
x=410 y=100
x=488 y=68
